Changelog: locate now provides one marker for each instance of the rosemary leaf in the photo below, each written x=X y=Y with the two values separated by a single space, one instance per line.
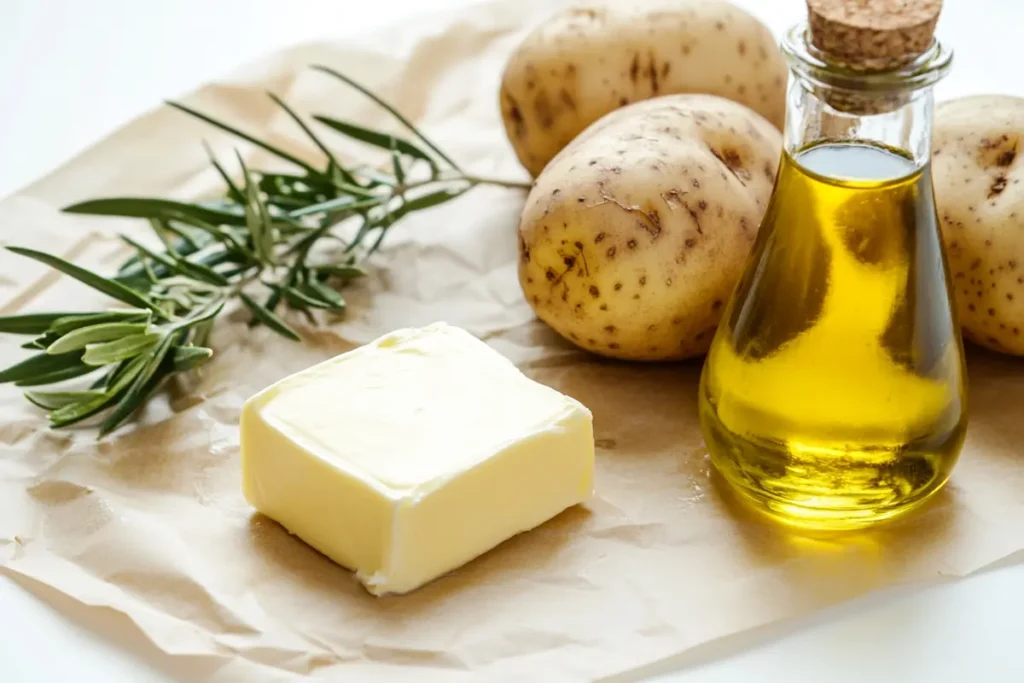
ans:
x=305 y=129
x=112 y=378
x=120 y=349
x=187 y=242
x=67 y=323
x=390 y=109
x=267 y=317
x=52 y=400
x=233 y=190
x=55 y=376
x=68 y=415
x=199 y=317
x=225 y=235
x=32 y=323
x=341 y=271
x=101 y=284
x=144 y=207
x=372 y=137
x=190 y=357
x=318 y=290
x=82 y=410
x=245 y=136
x=201 y=332
x=340 y=175
x=425 y=201
x=41 y=342
x=82 y=337
x=396 y=165
x=179 y=264
x=299 y=299
x=337 y=204
x=141 y=386
x=40 y=365
x=256 y=218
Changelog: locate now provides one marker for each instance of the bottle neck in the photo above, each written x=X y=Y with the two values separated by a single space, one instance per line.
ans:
x=830 y=101
x=811 y=118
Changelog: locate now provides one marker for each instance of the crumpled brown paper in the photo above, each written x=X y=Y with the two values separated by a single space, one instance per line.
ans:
x=145 y=536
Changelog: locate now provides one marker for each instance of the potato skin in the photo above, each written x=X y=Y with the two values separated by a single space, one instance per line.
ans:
x=633 y=237
x=978 y=176
x=585 y=62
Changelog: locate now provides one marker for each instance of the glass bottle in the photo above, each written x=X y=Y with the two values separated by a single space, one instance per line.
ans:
x=833 y=395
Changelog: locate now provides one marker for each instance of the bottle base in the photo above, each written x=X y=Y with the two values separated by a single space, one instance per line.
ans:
x=830 y=489
x=817 y=518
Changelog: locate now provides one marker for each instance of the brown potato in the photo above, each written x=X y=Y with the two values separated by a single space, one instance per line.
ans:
x=585 y=62
x=635 y=234
x=979 y=191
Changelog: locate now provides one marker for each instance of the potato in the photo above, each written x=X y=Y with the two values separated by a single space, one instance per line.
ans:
x=977 y=172
x=634 y=235
x=585 y=62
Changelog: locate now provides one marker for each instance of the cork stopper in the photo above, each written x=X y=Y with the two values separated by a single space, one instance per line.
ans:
x=873 y=35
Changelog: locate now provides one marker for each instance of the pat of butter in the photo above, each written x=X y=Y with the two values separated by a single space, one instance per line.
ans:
x=410 y=456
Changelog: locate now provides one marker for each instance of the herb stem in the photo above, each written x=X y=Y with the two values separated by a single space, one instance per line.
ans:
x=498 y=182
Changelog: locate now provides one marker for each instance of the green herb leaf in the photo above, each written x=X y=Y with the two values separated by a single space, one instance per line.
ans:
x=256 y=218
x=341 y=271
x=396 y=165
x=305 y=129
x=390 y=109
x=56 y=376
x=188 y=241
x=298 y=299
x=32 y=323
x=65 y=416
x=322 y=292
x=268 y=318
x=425 y=201
x=374 y=138
x=80 y=338
x=41 y=342
x=101 y=284
x=233 y=190
x=144 y=207
x=201 y=332
x=111 y=378
x=199 y=317
x=40 y=365
x=340 y=175
x=245 y=136
x=120 y=349
x=76 y=412
x=374 y=178
x=52 y=400
x=226 y=236
x=335 y=205
x=141 y=387
x=65 y=324
x=180 y=264
x=190 y=357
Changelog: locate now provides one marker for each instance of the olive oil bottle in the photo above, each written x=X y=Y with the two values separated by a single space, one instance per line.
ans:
x=833 y=395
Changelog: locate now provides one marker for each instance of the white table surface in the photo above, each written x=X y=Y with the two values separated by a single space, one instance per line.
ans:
x=969 y=630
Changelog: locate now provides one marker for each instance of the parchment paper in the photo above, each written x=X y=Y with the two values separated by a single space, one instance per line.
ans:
x=145 y=536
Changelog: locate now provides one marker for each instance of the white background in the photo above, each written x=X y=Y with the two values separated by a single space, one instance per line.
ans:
x=128 y=55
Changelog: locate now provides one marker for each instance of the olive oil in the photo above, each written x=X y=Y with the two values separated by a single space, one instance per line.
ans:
x=833 y=394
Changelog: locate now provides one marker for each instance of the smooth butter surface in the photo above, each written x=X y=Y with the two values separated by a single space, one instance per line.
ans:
x=410 y=456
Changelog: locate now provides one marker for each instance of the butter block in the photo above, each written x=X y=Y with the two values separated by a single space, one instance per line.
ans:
x=414 y=454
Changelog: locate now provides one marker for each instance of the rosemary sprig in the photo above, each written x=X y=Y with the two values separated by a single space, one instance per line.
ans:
x=265 y=232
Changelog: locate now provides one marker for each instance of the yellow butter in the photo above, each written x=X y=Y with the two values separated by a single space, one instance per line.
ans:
x=410 y=456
